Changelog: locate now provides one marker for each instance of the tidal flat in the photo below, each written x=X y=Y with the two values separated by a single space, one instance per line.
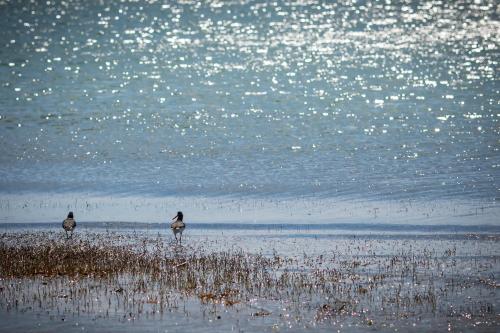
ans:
x=266 y=280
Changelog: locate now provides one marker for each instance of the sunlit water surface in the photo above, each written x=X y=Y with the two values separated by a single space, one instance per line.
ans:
x=363 y=99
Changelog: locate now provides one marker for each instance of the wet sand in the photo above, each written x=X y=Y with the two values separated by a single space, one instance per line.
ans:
x=265 y=280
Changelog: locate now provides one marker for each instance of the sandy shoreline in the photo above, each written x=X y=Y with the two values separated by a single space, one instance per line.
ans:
x=250 y=281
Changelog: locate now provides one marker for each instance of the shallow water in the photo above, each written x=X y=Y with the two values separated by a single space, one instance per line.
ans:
x=402 y=282
x=265 y=117
x=353 y=99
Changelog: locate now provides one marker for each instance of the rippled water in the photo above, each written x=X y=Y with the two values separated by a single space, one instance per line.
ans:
x=361 y=99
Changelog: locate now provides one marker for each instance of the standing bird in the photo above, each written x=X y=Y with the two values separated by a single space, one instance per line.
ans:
x=178 y=226
x=69 y=224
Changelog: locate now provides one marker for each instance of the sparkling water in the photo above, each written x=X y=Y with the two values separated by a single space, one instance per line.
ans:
x=355 y=99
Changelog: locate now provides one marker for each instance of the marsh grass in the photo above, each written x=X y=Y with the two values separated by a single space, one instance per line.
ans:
x=133 y=277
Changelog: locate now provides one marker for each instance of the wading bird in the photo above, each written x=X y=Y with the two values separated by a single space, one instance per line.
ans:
x=178 y=226
x=69 y=224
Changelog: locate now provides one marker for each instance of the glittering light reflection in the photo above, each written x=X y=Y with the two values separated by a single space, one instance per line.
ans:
x=381 y=99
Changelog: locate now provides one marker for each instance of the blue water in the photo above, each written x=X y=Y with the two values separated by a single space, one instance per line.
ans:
x=362 y=99
x=415 y=230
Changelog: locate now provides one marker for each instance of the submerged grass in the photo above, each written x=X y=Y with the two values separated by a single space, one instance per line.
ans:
x=137 y=276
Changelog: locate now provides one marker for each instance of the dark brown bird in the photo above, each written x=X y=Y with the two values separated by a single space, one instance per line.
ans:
x=69 y=224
